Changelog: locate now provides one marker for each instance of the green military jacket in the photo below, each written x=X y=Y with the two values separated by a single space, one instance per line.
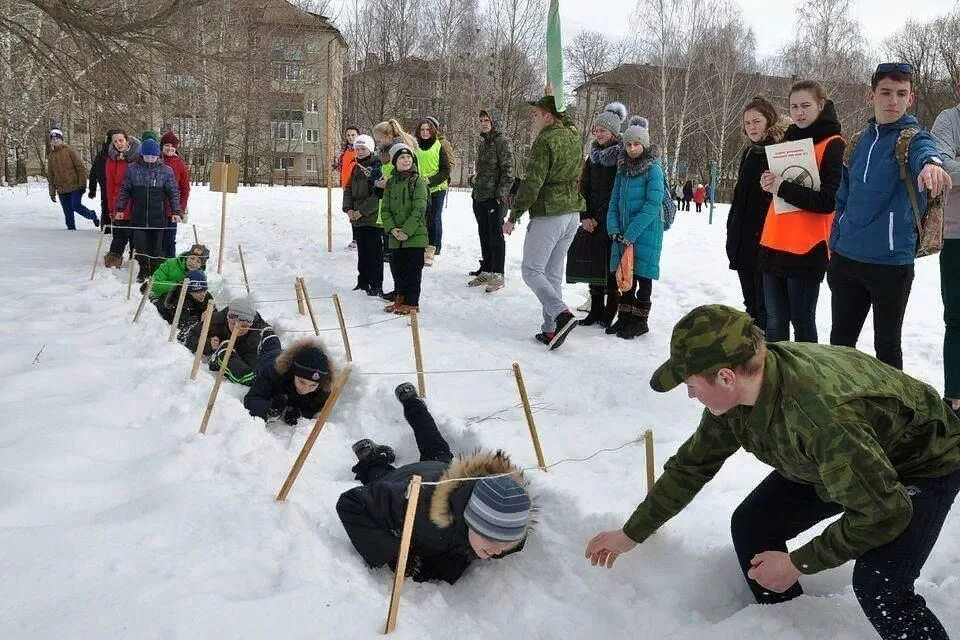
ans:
x=549 y=187
x=494 y=168
x=831 y=417
x=404 y=206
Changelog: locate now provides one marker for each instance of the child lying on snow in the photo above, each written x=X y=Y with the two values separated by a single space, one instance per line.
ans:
x=455 y=524
x=194 y=303
x=297 y=384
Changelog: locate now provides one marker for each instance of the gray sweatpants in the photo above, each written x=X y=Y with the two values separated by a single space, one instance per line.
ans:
x=544 y=253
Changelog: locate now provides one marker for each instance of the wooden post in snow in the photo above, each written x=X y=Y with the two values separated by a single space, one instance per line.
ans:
x=176 y=316
x=529 y=415
x=413 y=497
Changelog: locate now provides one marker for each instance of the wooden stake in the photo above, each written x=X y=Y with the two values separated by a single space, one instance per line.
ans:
x=143 y=299
x=176 y=315
x=343 y=327
x=204 y=330
x=296 y=287
x=196 y=239
x=96 y=258
x=648 y=441
x=133 y=260
x=243 y=265
x=418 y=354
x=219 y=380
x=529 y=414
x=314 y=433
x=306 y=297
x=223 y=217
x=413 y=498
x=330 y=147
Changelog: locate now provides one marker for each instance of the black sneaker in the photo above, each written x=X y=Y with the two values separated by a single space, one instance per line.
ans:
x=542 y=338
x=477 y=272
x=389 y=296
x=405 y=391
x=565 y=324
x=374 y=292
x=367 y=449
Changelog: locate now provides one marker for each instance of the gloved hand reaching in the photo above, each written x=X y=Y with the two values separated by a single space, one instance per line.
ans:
x=291 y=415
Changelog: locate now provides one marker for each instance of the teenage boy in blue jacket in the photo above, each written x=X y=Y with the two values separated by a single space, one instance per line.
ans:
x=874 y=236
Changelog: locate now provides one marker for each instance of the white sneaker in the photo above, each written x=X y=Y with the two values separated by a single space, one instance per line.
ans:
x=481 y=279
x=494 y=283
x=429 y=254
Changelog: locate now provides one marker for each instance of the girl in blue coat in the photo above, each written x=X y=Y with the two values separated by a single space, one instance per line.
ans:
x=635 y=218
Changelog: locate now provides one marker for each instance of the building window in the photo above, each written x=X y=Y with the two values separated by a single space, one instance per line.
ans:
x=281 y=130
x=313 y=135
x=281 y=163
x=311 y=164
x=288 y=70
x=313 y=106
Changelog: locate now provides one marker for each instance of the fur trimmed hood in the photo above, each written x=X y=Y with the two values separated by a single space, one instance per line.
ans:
x=605 y=156
x=478 y=465
x=131 y=155
x=285 y=360
x=635 y=166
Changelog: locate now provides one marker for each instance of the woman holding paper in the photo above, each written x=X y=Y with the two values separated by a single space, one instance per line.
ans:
x=793 y=248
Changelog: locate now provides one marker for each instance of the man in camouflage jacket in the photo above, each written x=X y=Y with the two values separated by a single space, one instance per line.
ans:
x=846 y=434
x=549 y=192
x=491 y=184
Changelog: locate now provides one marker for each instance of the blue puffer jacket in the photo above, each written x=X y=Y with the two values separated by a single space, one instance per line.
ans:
x=148 y=187
x=635 y=211
x=875 y=222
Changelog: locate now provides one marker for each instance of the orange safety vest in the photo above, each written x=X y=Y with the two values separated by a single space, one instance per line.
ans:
x=347 y=162
x=798 y=232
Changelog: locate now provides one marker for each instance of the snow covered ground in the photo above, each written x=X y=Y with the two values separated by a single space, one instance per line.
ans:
x=118 y=520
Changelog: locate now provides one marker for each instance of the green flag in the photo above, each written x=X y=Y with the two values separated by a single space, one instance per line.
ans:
x=555 y=56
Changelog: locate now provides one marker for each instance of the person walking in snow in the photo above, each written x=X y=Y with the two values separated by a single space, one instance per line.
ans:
x=457 y=522
x=67 y=177
x=181 y=173
x=678 y=194
x=699 y=196
x=361 y=203
x=549 y=192
x=635 y=224
x=687 y=194
x=295 y=385
x=98 y=180
x=589 y=257
x=491 y=184
x=256 y=341
x=434 y=164
x=846 y=435
x=403 y=214
x=124 y=151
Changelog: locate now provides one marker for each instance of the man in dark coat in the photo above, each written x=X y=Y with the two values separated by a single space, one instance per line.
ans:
x=256 y=341
x=457 y=521
x=297 y=384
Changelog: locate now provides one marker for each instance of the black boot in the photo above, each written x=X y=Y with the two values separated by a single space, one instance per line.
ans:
x=367 y=450
x=596 y=310
x=405 y=391
x=624 y=314
x=610 y=310
x=638 y=324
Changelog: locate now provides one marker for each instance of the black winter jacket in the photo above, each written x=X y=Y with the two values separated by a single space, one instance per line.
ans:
x=149 y=187
x=191 y=313
x=812 y=264
x=596 y=181
x=259 y=345
x=440 y=550
x=276 y=379
x=98 y=175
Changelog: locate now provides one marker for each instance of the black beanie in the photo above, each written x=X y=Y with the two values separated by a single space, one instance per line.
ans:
x=311 y=364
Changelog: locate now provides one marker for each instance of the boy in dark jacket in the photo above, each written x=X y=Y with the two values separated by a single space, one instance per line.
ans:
x=194 y=303
x=149 y=184
x=256 y=341
x=457 y=521
x=361 y=203
x=297 y=384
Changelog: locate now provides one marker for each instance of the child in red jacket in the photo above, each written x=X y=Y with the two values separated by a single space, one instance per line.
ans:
x=181 y=173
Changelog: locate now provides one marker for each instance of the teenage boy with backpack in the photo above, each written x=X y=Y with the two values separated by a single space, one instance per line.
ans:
x=889 y=170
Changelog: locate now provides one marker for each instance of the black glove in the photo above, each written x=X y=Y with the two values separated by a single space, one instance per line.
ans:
x=92 y=194
x=277 y=405
x=291 y=415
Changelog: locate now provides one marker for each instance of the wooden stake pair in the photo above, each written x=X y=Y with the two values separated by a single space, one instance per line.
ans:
x=306 y=297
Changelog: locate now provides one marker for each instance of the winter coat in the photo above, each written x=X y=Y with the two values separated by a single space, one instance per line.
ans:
x=875 y=222
x=190 y=314
x=434 y=163
x=344 y=164
x=688 y=190
x=258 y=346
x=588 y=258
x=813 y=264
x=360 y=194
x=116 y=168
x=699 y=195
x=748 y=209
x=946 y=133
x=440 y=550
x=678 y=192
x=98 y=176
x=851 y=426
x=181 y=173
x=66 y=172
x=275 y=379
x=404 y=206
x=148 y=187
x=493 y=177
x=171 y=273
x=549 y=186
x=636 y=212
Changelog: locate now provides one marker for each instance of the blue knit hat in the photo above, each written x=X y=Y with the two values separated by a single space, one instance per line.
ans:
x=498 y=509
x=198 y=281
x=150 y=147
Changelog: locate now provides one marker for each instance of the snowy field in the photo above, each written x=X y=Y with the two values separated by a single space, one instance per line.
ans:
x=118 y=520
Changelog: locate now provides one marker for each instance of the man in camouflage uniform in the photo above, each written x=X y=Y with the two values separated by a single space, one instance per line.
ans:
x=549 y=192
x=845 y=433
x=491 y=184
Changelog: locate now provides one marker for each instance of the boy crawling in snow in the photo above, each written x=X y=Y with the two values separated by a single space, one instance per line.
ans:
x=456 y=522
x=297 y=384
x=194 y=303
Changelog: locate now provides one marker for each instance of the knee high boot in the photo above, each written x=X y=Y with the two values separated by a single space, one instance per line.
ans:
x=610 y=309
x=596 y=309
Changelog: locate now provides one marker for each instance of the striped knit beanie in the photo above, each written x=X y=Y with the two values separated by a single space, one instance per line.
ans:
x=498 y=509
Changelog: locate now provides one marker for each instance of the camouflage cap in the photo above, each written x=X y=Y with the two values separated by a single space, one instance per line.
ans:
x=708 y=338
x=547 y=103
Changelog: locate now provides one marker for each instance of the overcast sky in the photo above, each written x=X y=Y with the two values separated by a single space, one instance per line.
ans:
x=879 y=18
